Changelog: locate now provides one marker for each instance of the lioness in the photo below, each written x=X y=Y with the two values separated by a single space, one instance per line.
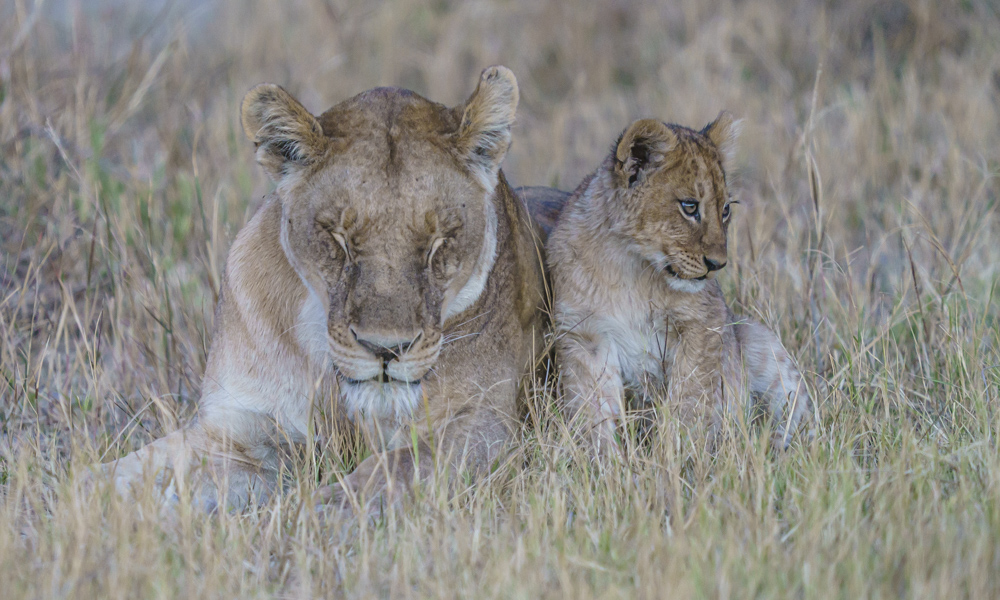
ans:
x=633 y=258
x=391 y=279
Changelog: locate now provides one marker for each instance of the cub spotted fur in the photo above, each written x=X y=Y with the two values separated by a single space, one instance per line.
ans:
x=638 y=312
x=391 y=280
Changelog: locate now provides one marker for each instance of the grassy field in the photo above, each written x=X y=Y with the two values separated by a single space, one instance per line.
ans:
x=868 y=236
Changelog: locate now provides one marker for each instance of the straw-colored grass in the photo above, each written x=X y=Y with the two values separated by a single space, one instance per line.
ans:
x=868 y=237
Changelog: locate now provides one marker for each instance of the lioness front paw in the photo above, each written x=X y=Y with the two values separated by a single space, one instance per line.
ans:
x=122 y=474
x=369 y=495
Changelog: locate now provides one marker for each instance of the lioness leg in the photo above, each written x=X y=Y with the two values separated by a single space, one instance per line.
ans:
x=216 y=467
x=463 y=444
x=773 y=377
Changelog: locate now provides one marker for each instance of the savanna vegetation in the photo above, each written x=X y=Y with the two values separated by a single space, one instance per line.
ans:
x=868 y=236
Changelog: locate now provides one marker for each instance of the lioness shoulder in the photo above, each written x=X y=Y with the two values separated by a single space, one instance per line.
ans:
x=638 y=312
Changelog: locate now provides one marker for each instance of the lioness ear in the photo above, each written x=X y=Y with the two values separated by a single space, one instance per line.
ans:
x=641 y=149
x=287 y=136
x=723 y=132
x=483 y=137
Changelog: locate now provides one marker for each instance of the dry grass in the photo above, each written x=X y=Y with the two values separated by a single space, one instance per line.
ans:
x=868 y=236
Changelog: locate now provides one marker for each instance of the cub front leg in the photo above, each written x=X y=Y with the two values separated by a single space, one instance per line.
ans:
x=694 y=381
x=592 y=390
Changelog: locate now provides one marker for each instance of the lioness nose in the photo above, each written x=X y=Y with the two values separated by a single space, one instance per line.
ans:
x=712 y=265
x=385 y=347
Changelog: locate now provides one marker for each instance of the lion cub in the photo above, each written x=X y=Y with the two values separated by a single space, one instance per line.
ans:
x=638 y=311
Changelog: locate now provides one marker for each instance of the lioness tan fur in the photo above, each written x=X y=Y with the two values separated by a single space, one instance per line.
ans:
x=391 y=280
x=638 y=312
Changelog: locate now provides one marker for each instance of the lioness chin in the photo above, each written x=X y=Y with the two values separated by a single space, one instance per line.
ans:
x=638 y=313
x=391 y=280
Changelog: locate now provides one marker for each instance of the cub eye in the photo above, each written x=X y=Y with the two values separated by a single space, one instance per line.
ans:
x=690 y=207
x=725 y=211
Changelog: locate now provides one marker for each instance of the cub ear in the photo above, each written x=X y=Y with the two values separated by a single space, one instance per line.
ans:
x=723 y=132
x=641 y=150
x=483 y=136
x=287 y=136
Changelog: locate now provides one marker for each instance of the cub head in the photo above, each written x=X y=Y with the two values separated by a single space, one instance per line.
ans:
x=673 y=200
x=388 y=218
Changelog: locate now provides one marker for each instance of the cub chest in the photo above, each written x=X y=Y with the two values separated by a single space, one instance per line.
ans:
x=644 y=342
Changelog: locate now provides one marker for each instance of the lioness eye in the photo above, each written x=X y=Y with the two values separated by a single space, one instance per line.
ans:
x=339 y=238
x=690 y=207
x=434 y=248
x=725 y=211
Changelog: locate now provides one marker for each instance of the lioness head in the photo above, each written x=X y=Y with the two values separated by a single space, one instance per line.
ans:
x=388 y=218
x=675 y=206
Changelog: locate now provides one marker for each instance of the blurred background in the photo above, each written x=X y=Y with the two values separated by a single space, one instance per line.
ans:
x=866 y=169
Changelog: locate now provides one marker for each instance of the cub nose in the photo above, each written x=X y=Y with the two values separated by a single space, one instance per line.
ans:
x=386 y=346
x=712 y=265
